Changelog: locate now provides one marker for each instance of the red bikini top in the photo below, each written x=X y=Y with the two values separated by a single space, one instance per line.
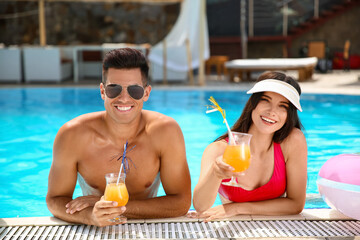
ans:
x=272 y=189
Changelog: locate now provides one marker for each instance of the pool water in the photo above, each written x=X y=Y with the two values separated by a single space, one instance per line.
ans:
x=31 y=117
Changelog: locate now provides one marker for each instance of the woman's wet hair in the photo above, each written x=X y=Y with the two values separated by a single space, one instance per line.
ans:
x=244 y=122
x=125 y=58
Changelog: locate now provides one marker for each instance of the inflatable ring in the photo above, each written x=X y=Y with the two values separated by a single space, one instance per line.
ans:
x=339 y=184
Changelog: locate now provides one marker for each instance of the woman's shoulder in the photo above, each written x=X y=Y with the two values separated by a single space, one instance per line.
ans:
x=217 y=146
x=294 y=143
x=219 y=143
x=213 y=150
x=295 y=136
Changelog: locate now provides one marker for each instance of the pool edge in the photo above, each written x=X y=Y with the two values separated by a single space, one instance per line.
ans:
x=307 y=214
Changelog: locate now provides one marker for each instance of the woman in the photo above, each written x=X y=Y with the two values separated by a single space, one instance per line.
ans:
x=275 y=182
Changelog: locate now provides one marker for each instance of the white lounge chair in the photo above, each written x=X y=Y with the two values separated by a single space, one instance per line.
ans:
x=45 y=64
x=10 y=64
x=305 y=66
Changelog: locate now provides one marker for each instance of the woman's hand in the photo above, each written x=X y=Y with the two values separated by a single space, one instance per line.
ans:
x=223 y=170
x=80 y=203
x=218 y=212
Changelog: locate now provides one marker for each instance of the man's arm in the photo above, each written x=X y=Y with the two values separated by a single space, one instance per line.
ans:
x=174 y=173
x=62 y=181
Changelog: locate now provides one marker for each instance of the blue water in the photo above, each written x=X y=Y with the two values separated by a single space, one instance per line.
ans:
x=31 y=117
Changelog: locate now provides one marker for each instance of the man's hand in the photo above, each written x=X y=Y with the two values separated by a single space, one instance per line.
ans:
x=80 y=203
x=104 y=211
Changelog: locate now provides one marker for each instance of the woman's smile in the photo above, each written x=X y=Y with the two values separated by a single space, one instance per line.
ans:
x=268 y=120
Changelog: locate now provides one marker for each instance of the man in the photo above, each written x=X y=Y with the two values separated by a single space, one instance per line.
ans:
x=89 y=146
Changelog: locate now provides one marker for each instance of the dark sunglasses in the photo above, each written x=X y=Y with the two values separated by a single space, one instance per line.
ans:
x=114 y=90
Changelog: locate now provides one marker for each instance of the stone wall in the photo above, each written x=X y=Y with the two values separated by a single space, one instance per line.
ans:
x=86 y=23
x=97 y=23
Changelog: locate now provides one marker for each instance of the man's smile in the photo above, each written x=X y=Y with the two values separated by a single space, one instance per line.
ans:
x=124 y=108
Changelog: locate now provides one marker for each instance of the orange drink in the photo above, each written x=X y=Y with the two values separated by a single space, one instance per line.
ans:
x=117 y=192
x=237 y=156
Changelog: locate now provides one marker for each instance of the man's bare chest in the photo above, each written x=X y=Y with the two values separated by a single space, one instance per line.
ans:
x=141 y=163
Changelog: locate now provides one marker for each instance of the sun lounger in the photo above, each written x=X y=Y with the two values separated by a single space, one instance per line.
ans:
x=323 y=223
x=305 y=66
x=45 y=64
x=10 y=64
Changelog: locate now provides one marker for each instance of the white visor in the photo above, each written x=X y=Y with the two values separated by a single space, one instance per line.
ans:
x=280 y=87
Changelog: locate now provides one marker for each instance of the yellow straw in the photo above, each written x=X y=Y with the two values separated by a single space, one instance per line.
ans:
x=216 y=107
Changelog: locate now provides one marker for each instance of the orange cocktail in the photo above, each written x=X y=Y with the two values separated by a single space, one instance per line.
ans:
x=237 y=156
x=117 y=192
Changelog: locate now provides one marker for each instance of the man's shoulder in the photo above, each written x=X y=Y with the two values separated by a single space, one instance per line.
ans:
x=156 y=119
x=81 y=123
x=74 y=138
x=158 y=124
x=163 y=132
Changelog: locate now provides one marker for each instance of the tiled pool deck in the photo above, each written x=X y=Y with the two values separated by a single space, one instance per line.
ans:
x=324 y=224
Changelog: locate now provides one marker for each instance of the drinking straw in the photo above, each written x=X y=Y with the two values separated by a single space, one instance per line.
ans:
x=122 y=163
x=216 y=107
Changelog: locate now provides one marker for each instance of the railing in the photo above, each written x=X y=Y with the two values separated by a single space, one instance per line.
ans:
x=269 y=17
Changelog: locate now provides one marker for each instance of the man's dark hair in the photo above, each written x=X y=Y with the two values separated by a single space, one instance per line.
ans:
x=125 y=58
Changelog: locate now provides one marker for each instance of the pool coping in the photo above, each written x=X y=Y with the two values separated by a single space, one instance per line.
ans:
x=320 y=214
x=307 y=89
x=332 y=82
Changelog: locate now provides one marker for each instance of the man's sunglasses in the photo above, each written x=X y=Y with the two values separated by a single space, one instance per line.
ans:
x=114 y=90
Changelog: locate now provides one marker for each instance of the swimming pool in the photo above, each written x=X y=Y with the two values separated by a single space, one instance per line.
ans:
x=31 y=117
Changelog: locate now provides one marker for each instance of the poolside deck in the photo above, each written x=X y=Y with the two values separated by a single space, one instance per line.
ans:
x=318 y=224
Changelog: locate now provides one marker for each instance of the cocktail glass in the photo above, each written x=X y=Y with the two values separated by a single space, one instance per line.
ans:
x=237 y=154
x=116 y=191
